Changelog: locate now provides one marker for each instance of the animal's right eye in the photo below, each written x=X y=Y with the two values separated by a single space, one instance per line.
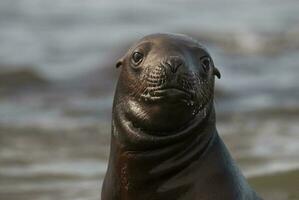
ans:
x=137 y=58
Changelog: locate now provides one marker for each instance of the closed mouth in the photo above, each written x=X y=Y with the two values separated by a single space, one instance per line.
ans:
x=169 y=94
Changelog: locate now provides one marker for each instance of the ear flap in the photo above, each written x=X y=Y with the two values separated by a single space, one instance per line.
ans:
x=119 y=63
x=217 y=73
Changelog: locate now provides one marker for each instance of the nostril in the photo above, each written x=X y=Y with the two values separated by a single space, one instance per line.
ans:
x=178 y=61
x=174 y=62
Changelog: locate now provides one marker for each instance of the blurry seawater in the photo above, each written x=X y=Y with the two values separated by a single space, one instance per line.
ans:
x=57 y=81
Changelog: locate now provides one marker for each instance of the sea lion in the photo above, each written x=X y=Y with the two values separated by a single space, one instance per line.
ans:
x=164 y=142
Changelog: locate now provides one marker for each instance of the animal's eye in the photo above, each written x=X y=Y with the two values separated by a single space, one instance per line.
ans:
x=206 y=63
x=137 y=58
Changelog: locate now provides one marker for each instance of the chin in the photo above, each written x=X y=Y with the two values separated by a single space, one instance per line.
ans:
x=162 y=117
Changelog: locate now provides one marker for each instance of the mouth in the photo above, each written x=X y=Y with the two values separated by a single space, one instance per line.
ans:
x=170 y=94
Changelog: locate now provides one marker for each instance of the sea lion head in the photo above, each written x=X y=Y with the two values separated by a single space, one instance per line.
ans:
x=166 y=81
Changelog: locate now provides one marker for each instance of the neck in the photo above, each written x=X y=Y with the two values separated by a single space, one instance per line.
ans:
x=138 y=159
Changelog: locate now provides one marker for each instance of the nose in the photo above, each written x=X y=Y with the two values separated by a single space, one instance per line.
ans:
x=174 y=62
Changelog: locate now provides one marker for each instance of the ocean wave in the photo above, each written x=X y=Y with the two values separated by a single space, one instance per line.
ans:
x=251 y=42
x=20 y=78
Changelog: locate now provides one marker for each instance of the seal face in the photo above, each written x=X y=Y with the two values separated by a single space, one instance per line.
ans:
x=164 y=142
x=168 y=81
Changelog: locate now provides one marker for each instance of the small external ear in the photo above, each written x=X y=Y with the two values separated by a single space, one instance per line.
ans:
x=119 y=63
x=217 y=73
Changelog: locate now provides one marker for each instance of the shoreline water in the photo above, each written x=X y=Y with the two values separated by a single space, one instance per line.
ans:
x=31 y=155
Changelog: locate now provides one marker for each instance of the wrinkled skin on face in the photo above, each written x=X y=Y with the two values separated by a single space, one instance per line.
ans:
x=166 y=81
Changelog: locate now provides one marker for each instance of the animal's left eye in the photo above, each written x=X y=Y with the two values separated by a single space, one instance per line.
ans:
x=206 y=63
x=137 y=58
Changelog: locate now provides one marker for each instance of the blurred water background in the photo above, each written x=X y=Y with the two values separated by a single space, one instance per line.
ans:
x=57 y=79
